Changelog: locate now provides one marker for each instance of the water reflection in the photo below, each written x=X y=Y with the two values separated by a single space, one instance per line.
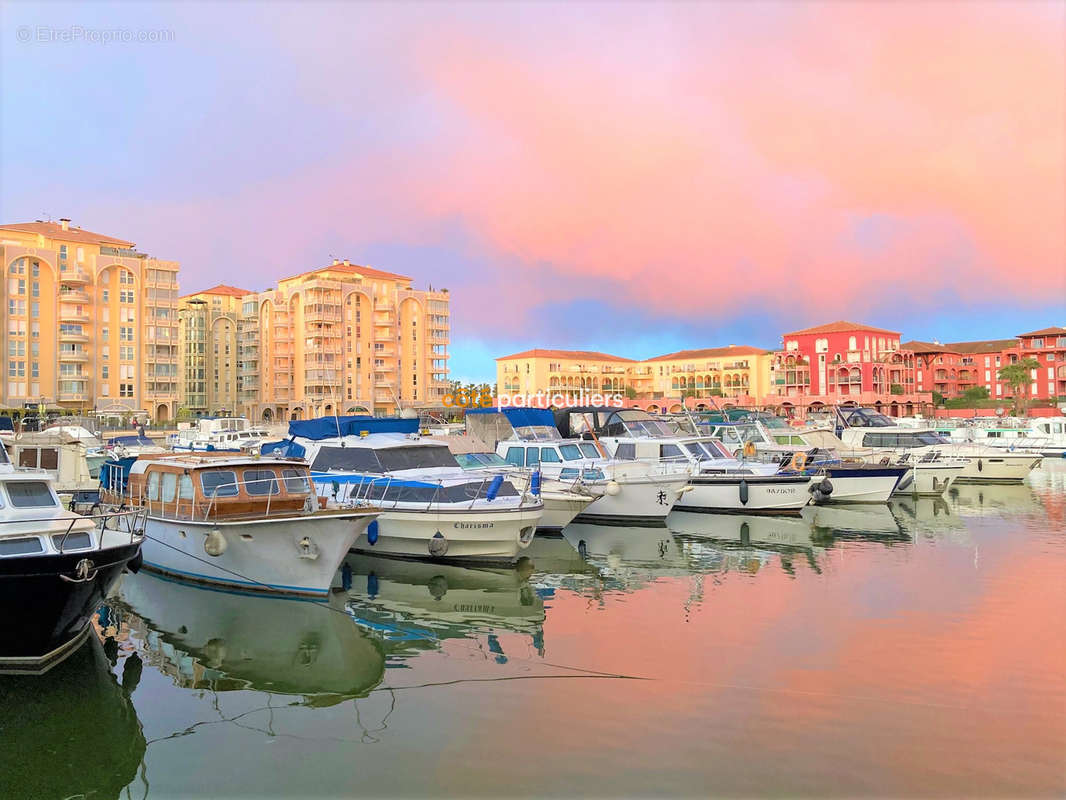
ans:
x=415 y=605
x=627 y=557
x=73 y=731
x=228 y=641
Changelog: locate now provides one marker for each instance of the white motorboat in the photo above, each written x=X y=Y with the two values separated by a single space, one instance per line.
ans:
x=56 y=567
x=865 y=429
x=250 y=523
x=717 y=482
x=627 y=493
x=432 y=507
x=217 y=433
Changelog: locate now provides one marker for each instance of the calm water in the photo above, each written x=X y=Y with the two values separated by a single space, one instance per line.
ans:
x=910 y=650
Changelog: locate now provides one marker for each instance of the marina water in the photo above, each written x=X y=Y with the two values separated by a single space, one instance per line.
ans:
x=914 y=649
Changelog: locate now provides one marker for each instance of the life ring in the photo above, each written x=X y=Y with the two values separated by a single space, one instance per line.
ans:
x=799 y=461
x=749 y=450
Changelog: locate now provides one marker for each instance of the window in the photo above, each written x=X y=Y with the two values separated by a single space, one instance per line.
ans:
x=152 y=492
x=260 y=482
x=295 y=481
x=1038 y=342
x=671 y=452
x=30 y=494
x=514 y=456
x=549 y=455
x=18 y=547
x=532 y=457
x=626 y=450
x=571 y=452
x=170 y=486
x=49 y=458
x=185 y=491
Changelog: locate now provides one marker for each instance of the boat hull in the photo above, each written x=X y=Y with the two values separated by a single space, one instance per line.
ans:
x=864 y=485
x=560 y=509
x=929 y=480
x=48 y=617
x=262 y=555
x=641 y=501
x=480 y=535
x=748 y=494
x=996 y=468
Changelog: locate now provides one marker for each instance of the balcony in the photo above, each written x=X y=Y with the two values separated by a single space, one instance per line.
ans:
x=322 y=316
x=74 y=276
x=73 y=355
x=73 y=296
x=73 y=397
x=67 y=336
x=68 y=314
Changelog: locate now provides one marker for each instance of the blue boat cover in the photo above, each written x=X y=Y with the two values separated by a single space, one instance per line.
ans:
x=521 y=417
x=6 y=424
x=328 y=427
x=131 y=441
x=286 y=448
x=115 y=474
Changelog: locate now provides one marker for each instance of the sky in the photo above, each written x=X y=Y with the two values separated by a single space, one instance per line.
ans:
x=636 y=178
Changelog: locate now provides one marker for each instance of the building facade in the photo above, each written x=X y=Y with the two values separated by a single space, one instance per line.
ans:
x=343 y=338
x=564 y=372
x=90 y=322
x=736 y=372
x=1048 y=347
x=951 y=368
x=208 y=345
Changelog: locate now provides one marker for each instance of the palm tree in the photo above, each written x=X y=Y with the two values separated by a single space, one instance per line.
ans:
x=1018 y=376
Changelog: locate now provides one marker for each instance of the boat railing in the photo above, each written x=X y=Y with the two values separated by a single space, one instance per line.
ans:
x=131 y=521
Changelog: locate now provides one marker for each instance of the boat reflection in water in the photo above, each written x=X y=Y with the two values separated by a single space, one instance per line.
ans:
x=415 y=605
x=627 y=557
x=970 y=500
x=73 y=732
x=227 y=641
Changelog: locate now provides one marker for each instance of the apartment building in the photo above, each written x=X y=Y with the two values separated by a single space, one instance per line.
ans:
x=736 y=371
x=564 y=371
x=90 y=322
x=207 y=331
x=953 y=367
x=342 y=338
x=1048 y=347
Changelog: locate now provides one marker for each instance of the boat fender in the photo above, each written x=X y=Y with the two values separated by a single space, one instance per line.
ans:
x=534 y=483
x=612 y=488
x=494 y=488
x=817 y=495
x=372 y=532
x=438 y=545
x=346 y=576
x=372 y=585
x=743 y=492
x=745 y=533
x=980 y=465
x=215 y=543
x=826 y=487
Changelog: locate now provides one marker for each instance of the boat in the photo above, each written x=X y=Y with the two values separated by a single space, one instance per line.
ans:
x=864 y=428
x=1045 y=436
x=71 y=461
x=56 y=568
x=562 y=501
x=131 y=446
x=245 y=522
x=431 y=507
x=717 y=481
x=627 y=492
x=217 y=433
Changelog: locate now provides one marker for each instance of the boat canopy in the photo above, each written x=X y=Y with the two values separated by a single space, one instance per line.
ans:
x=866 y=418
x=383 y=460
x=521 y=417
x=334 y=427
x=130 y=441
x=6 y=424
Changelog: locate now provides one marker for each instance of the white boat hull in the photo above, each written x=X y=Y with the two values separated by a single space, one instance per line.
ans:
x=467 y=535
x=262 y=555
x=930 y=479
x=746 y=493
x=638 y=500
x=998 y=467
x=560 y=508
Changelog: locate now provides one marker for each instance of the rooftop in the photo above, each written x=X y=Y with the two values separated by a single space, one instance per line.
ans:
x=1053 y=331
x=840 y=327
x=713 y=352
x=926 y=347
x=580 y=355
x=222 y=289
x=351 y=269
x=56 y=230
x=987 y=346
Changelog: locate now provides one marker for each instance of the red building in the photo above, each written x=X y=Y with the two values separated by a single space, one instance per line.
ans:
x=954 y=367
x=846 y=362
x=1048 y=347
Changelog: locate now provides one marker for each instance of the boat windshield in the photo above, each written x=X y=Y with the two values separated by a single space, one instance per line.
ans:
x=639 y=425
x=537 y=433
x=865 y=418
x=479 y=460
x=3 y=455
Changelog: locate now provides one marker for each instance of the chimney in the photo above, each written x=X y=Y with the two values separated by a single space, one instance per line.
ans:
x=347 y=263
x=64 y=224
x=336 y=261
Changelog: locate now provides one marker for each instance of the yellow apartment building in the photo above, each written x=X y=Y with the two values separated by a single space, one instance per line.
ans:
x=342 y=339
x=90 y=323
x=738 y=371
x=207 y=331
x=565 y=371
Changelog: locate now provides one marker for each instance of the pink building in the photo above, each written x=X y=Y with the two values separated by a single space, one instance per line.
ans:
x=1048 y=347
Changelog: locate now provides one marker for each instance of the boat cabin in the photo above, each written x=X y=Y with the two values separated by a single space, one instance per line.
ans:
x=204 y=487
